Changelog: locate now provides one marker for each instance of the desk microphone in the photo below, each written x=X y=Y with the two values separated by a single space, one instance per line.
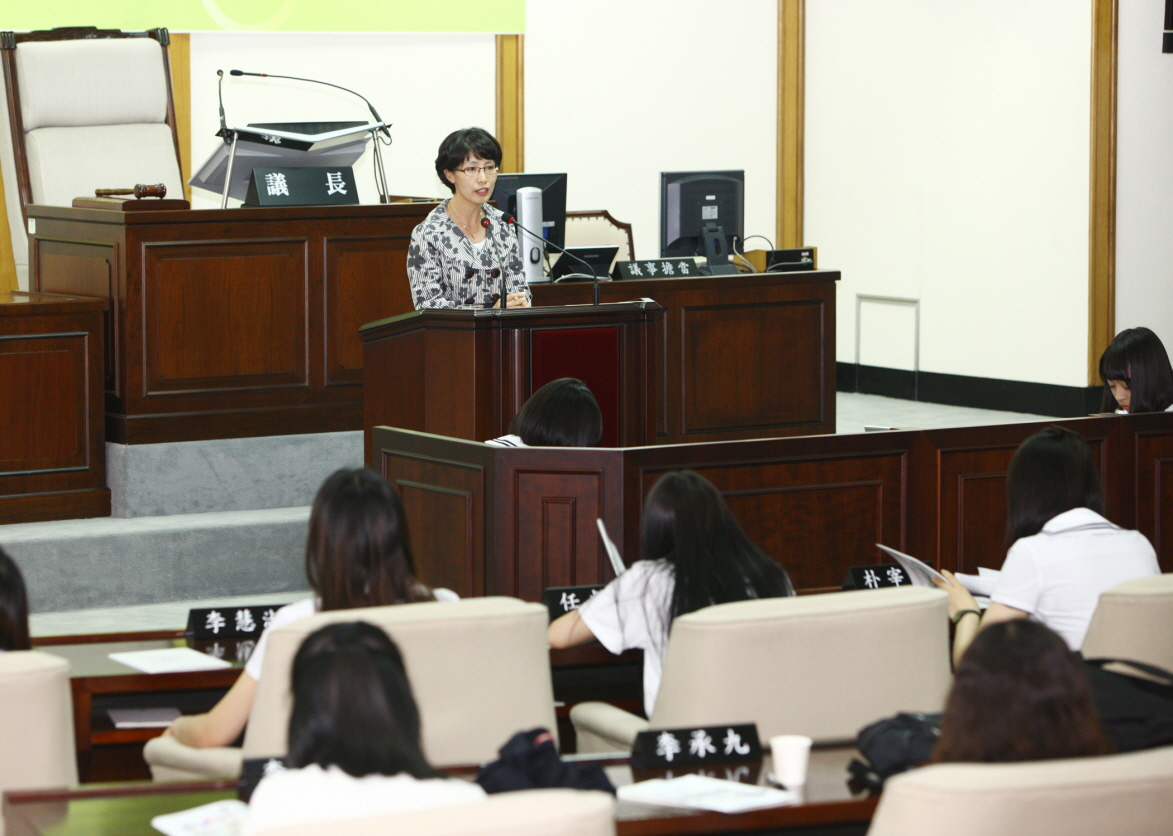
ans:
x=489 y=234
x=383 y=130
x=224 y=133
x=590 y=270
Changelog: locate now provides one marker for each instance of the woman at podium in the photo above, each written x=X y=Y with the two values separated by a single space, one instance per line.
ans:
x=458 y=253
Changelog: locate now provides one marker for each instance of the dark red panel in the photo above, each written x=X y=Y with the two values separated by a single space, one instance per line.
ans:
x=591 y=355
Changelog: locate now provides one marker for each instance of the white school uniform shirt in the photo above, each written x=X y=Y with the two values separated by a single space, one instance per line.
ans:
x=632 y=611
x=507 y=441
x=313 y=795
x=1058 y=574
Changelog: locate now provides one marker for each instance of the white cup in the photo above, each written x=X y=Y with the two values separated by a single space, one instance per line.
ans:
x=791 y=755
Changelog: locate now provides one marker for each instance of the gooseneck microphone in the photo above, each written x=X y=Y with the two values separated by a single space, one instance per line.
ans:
x=224 y=133
x=487 y=224
x=374 y=112
x=589 y=270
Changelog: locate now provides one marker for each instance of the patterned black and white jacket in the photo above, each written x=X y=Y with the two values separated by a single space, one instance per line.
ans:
x=445 y=269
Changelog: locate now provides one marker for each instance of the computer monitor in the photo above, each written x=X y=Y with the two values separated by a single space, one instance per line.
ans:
x=553 y=188
x=700 y=214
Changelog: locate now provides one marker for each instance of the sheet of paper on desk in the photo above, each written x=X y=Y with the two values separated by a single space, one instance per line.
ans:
x=220 y=818
x=699 y=792
x=143 y=718
x=169 y=660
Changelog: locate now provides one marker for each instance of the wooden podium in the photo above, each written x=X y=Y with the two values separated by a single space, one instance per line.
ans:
x=230 y=323
x=466 y=373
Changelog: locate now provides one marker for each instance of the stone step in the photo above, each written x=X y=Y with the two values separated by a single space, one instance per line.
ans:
x=83 y=564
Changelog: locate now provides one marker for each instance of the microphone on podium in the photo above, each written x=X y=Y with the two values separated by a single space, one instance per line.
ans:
x=383 y=130
x=487 y=224
x=589 y=270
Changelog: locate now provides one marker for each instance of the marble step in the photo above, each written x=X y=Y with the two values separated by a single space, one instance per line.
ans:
x=84 y=564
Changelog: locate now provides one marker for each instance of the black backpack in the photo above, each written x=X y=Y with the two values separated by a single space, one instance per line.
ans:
x=1136 y=713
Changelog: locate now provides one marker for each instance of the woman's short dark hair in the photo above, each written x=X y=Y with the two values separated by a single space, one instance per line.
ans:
x=357 y=552
x=1019 y=694
x=563 y=413
x=1138 y=357
x=687 y=523
x=14 y=606
x=458 y=146
x=352 y=705
x=1051 y=472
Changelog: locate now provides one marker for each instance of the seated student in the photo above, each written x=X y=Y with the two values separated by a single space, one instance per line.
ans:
x=693 y=554
x=563 y=413
x=1136 y=373
x=14 y=606
x=1063 y=553
x=1019 y=694
x=357 y=555
x=354 y=738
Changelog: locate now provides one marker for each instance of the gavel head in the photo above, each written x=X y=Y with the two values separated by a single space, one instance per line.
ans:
x=157 y=190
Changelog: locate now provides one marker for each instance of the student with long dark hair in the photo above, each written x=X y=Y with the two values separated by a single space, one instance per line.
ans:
x=693 y=554
x=563 y=413
x=357 y=555
x=1136 y=373
x=1063 y=552
x=354 y=738
x=1019 y=694
x=14 y=606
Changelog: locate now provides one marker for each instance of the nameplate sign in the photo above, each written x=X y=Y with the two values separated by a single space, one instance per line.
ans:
x=876 y=577
x=252 y=770
x=230 y=622
x=560 y=600
x=302 y=187
x=657 y=268
x=658 y=749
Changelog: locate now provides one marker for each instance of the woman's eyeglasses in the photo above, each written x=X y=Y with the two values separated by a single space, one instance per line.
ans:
x=472 y=171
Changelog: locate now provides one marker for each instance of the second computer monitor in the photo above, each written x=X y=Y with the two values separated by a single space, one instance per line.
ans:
x=691 y=201
x=553 y=188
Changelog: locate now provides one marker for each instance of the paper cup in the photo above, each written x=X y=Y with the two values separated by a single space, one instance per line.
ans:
x=791 y=754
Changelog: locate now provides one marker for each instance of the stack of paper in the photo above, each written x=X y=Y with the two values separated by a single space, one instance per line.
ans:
x=698 y=792
x=169 y=660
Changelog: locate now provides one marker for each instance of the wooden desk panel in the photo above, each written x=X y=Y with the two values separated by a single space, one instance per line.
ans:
x=746 y=356
x=231 y=323
x=52 y=451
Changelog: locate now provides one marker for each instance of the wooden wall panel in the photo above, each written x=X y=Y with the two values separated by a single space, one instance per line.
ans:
x=91 y=267
x=246 y=301
x=44 y=426
x=1154 y=493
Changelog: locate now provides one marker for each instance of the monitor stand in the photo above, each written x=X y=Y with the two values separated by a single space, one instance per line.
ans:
x=713 y=238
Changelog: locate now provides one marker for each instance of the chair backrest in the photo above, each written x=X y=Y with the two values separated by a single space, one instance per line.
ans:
x=1134 y=621
x=1076 y=797
x=553 y=812
x=479 y=669
x=36 y=722
x=819 y=665
x=598 y=229
x=86 y=109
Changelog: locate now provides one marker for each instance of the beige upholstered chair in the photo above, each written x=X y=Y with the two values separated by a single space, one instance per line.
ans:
x=598 y=229
x=1134 y=621
x=526 y=813
x=1125 y=795
x=36 y=722
x=479 y=668
x=820 y=665
x=90 y=109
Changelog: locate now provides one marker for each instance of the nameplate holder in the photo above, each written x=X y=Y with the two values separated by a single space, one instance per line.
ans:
x=331 y=186
x=252 y=770
x=664 y=748
x=230 y=622
x=657 y=268
x=876 y=577
x=560 y=600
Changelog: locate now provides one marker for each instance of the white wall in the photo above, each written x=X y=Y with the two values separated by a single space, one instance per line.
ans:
x=1144 y=172
x=617 y=91
x=426 y=86
x=947 y=160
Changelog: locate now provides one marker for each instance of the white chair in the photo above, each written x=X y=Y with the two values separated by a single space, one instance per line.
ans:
x=36 y=722
x=1124 y=795
x=554 y=812
x=89 y=109
x=479 y=669
x=819 y=665
x=1134 y=621
x=598 y=229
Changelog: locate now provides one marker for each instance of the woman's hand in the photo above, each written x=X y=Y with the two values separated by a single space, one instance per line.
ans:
x=516 y=300
x=959 y=597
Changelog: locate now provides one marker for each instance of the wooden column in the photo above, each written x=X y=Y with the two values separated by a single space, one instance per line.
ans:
x=511 y=100
x=791 y=61
x=1102 y=223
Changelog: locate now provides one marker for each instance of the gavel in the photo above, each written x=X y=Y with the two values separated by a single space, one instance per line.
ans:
x=140 y=191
